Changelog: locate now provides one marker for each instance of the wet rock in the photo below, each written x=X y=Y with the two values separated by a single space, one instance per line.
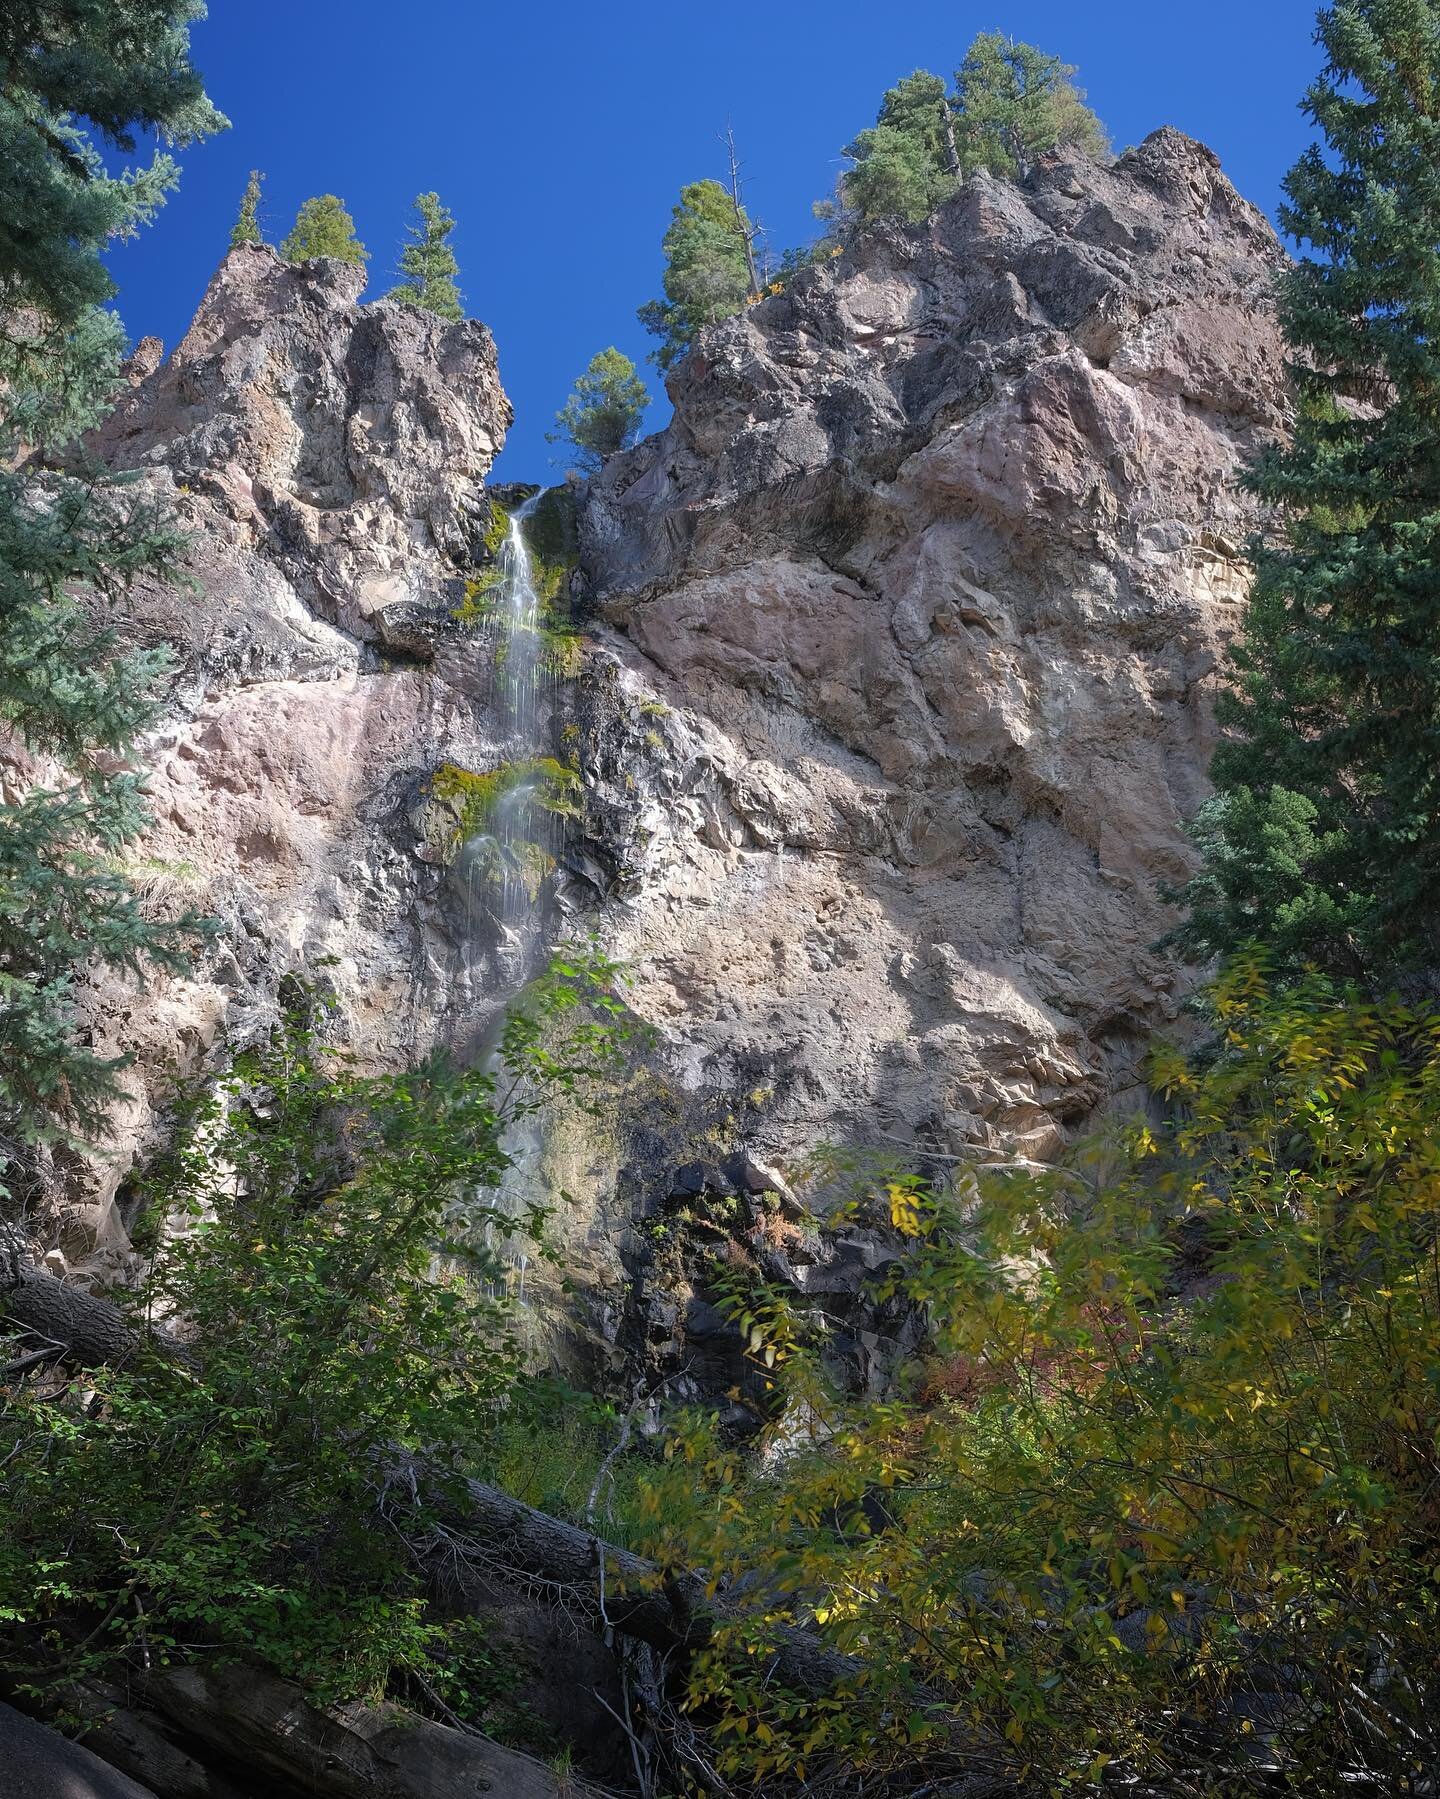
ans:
x=696 y=1179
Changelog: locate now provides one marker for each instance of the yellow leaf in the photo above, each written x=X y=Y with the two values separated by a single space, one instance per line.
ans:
x=904 y=1209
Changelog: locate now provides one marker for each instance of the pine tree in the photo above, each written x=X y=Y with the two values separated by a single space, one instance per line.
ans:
x=908 y=162
x=428 y=263
x=1324 y=839
x=124 y=65
x=1014 y=102
x=246 y=229
x=1011 y=103
x=72 y=538
x=707 y=268
x=323 y=228
x=603 y=413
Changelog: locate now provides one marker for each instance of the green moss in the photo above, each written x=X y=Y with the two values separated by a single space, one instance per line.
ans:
x=472 y=798
x=493 y=863
x=551 y=529
x=551 y=582
x=561 y=648
x=462 y=812
x=151 y=868
x=494 y=535
x=482 y=599
x=553 y=542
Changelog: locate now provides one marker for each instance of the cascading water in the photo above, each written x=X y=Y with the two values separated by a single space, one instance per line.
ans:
x=520 y=602
x=510 y=856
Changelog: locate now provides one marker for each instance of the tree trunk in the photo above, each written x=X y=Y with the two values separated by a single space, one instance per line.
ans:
x=743 y=226
x=952 y=149
x=613 y=1588
x=39 y=1763
x=91 y=1332
x=222 y=1731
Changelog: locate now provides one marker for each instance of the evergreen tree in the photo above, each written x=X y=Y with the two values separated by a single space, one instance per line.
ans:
x=1011 y=103
x=428 y=263
x=72 y=538
x=707 y=268
x=907 y=163
x=122 y=64
x=246 y=229
x=603 y=413
x=1324 y=839
x=323 y=228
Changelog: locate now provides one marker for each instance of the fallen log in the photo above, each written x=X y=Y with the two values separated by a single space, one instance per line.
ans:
x=228 y=1731
x=89 y=1331
x=41 y=1764
x=473 y=1524
x=118 y=1728
x=355 y=1752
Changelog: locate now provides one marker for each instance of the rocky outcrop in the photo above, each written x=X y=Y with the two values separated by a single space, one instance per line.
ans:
x=911 y=623
x=327 y=462
x=347 y=444
x=902 y=637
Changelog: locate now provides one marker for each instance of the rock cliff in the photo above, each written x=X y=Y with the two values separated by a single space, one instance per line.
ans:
x=327 y=462
x=896 y=691
x=934 y=564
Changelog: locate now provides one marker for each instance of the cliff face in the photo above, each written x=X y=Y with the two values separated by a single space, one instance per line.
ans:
x=934 y=564
x=327 y=461
x=901 y=641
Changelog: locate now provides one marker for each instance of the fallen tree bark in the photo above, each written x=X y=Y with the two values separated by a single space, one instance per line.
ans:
x=220 y=1732
x=473 y=1524
x=41 y=1764
x=91 y=1332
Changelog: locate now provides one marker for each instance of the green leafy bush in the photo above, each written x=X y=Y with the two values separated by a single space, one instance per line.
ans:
x=1168 y=1502
x=321 y=1259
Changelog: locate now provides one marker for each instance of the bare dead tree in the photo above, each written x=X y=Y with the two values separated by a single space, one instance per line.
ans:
x=952 y=148
x=748 y=232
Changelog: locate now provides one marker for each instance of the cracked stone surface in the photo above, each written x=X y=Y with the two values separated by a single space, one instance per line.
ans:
x=902 y=639
x=933 y=567
x=327 y=460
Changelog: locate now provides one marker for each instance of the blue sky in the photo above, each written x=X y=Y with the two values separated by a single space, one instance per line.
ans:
x=559 y=134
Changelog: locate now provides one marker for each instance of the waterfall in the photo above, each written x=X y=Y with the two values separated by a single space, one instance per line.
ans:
x=520 y=617
x=511 y=855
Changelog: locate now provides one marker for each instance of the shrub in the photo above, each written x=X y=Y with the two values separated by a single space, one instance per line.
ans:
x=1171 y=1508
x=321 y=1253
